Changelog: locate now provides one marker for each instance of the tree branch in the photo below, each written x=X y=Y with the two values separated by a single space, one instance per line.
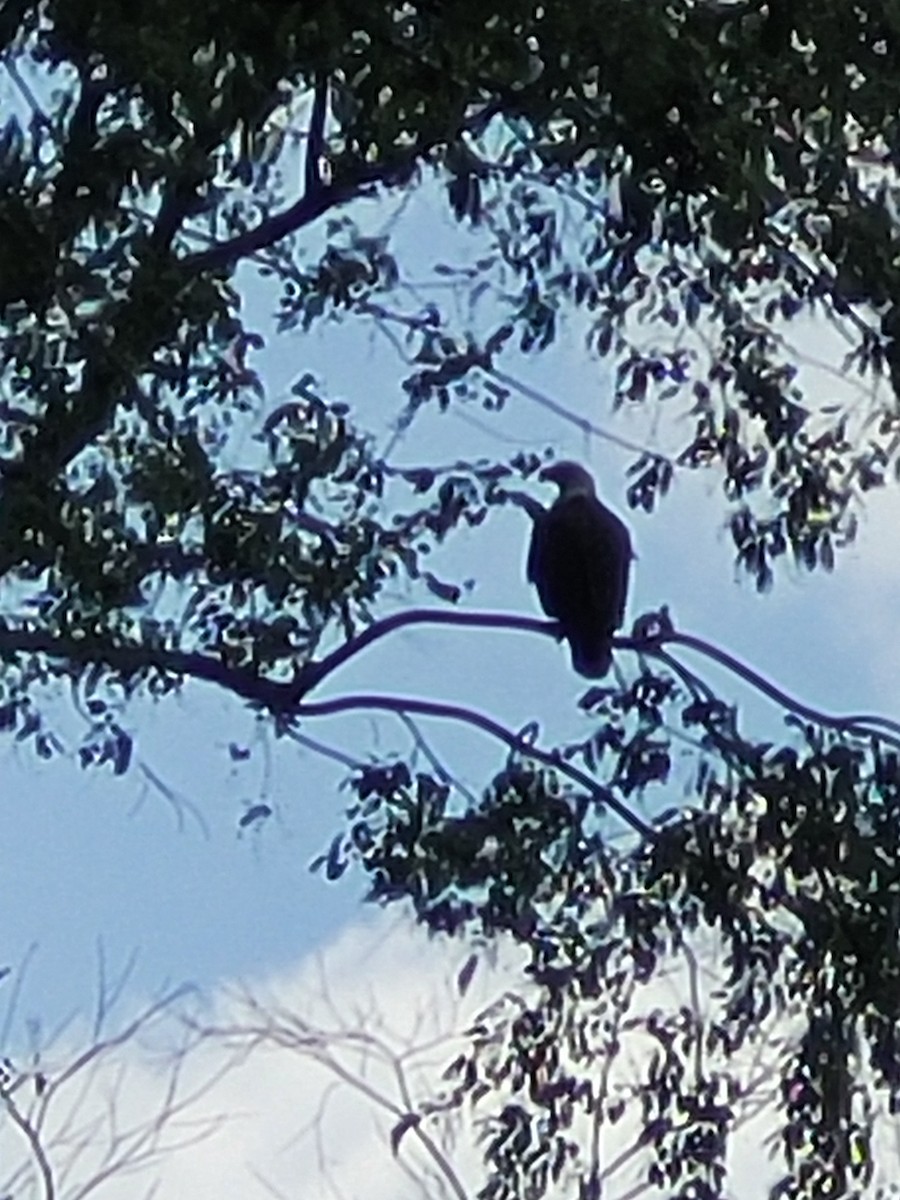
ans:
x=313 y=674
x=315 y=142
x=865 y=724
x=403 y=705
x=130 y=660
x=32 y=1137
x=307 y=209
x=284 y=698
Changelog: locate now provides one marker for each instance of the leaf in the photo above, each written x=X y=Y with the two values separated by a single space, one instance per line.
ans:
x=445 y=591
x=256 y=812
x=121 y=751
x=464 y=978
x=335 y=864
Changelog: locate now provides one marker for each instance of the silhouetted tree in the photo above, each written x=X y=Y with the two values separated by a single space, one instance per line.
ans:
x=732 y=169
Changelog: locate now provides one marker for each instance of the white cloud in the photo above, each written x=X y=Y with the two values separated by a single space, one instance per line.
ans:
x=306 y=1079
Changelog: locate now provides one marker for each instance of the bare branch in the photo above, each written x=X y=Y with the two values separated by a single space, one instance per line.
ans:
x=314 y=673
x=284 y=699
x=441 y=772
x=862 y=724
x=31 y=1136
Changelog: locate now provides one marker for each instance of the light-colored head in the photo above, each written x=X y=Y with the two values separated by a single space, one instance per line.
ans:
x=570 y=477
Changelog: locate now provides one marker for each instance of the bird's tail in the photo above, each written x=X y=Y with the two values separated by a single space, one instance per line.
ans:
x=592 y=657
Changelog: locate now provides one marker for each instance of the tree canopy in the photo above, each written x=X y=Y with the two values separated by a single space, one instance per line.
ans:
x=700 y=182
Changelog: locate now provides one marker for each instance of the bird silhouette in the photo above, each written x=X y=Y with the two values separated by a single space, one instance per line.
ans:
x=579 y=560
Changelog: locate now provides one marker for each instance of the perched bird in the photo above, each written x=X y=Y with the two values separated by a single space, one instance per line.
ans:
x=579 y=559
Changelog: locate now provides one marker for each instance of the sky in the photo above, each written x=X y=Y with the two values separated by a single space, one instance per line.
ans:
x=122 y=885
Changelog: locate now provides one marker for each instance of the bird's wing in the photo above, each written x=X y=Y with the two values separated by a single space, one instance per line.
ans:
x=617 y=554
x=586 y=554
x=537 y=567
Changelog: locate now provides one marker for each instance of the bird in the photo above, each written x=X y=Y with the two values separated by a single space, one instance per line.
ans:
x=579 y=560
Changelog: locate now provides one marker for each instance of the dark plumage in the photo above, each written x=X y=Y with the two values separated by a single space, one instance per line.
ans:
x=579 y=560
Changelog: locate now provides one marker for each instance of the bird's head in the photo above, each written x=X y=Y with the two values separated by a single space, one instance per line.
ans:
x=570 y=477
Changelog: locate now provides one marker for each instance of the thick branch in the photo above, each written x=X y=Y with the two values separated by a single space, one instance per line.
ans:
x=307 y=209
x=135 y=659
x=241 y=681
x=284 y=698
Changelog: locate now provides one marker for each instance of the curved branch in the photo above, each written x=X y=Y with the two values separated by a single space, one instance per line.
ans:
x=860 y=723
x=455 y=712
x=854 y=723
x=303 y=212
x=284 y=699
x=279 y=698
x=313 y=674
x=133 y=659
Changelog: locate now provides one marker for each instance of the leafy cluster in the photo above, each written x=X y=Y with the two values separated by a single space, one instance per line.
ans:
x=781 y=866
